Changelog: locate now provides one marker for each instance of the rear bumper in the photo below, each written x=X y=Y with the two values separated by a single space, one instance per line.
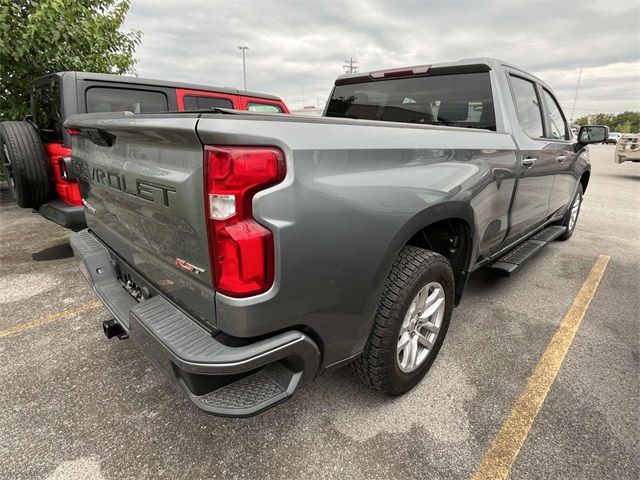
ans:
x=62 y=213
x=219 y=379
x=628 y=156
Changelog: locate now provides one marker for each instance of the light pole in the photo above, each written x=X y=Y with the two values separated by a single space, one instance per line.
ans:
x=244 y=65
x=575 y=97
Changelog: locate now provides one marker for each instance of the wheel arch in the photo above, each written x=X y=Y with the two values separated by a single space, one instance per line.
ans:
x=460 y=214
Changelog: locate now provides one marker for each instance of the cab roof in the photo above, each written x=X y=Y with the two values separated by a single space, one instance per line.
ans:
x=460 y=66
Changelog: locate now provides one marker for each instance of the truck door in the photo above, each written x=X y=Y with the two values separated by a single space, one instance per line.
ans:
x=561 y=149
x=537 y=164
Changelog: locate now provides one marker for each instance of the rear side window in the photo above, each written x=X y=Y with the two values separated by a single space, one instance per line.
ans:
x=527 y=106
x=557 y=124
x=47 y=113
x=192 y=102
x=102 y=99
x=263 y=107
x=459 y=100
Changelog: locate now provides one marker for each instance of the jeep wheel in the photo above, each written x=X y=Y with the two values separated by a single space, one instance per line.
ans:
x=571 y=217
x=410 y=323
x=24 y=163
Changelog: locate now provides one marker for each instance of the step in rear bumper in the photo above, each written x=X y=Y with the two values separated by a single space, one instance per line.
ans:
x=220 y=379
x=62 y=213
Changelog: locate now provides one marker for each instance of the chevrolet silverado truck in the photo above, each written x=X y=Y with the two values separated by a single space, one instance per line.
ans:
x=246 y=254
x=35 y=155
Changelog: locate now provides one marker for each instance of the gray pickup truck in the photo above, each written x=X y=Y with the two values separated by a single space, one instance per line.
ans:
x=246 y=254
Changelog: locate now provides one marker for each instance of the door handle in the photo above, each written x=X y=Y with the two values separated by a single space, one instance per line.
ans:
x=560 y=158
x=529 y=162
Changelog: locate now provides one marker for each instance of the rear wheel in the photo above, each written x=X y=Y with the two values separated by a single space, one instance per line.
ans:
x=571 y=217
x=410 y=323
x=24 y=163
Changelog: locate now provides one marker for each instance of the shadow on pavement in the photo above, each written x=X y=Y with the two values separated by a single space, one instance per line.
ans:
x=57 y=252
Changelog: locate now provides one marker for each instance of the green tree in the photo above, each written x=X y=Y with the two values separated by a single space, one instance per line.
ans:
x=626 y=122
x=630 y=119
x=623 y=127
x=44 y=36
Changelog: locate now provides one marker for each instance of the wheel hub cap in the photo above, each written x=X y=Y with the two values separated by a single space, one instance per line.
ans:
x=420 y=327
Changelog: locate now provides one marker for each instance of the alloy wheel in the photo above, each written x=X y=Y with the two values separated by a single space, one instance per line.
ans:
x=420 y=327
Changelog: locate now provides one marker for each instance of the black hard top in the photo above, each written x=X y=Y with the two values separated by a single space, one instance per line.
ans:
x=104 y=77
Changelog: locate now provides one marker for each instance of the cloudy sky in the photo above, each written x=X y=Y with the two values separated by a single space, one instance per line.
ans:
x=297 y=48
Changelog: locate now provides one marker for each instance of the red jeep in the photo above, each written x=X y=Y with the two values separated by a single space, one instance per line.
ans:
x=35 y=154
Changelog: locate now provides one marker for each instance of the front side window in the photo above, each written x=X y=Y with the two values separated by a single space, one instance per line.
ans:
x=46 y=112
x=192 y=102
x=527 y=106
x=557 y=124
x=263 y=108
x=104 y=99
x=459 y=100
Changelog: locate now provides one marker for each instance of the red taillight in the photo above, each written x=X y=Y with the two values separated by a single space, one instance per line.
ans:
x=241 y=250
x=74 y=131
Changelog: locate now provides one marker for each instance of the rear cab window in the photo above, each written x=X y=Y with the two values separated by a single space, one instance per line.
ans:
x=458 y=100
x=194 y=102
x=47 y=112
x=263 y=107
x=111 y=99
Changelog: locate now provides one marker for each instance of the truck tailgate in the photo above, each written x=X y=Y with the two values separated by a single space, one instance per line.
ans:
x=141 y=181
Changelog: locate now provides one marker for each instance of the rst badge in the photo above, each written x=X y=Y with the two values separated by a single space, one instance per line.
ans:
x=88 y=207
x=188 y=267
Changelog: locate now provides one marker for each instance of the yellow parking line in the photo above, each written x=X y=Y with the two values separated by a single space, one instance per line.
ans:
x=50 y=318
x=505 y=447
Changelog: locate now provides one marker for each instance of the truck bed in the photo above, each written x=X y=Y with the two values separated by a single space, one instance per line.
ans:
x=141 y=179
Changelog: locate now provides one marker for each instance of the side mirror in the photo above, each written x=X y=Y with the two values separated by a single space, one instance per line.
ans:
x=593 y=134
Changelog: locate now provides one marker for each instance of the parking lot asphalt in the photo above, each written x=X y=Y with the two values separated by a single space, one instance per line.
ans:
x=75 y=405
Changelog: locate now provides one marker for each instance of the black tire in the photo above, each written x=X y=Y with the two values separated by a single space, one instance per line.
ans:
x=566 y=221
x=378 y=365
x=26 y=169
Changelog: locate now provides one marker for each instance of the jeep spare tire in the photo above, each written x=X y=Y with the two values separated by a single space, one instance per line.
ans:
x=24 y=163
